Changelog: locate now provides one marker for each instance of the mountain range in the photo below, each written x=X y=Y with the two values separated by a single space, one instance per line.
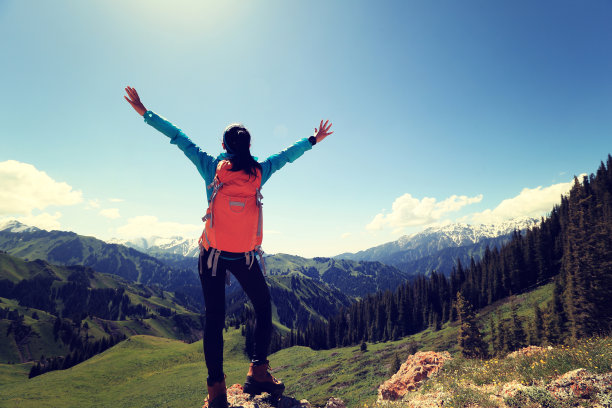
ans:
x=302 y=289
x=187 y=247
x=325 y=285
x=435 y=248
x=439 y=247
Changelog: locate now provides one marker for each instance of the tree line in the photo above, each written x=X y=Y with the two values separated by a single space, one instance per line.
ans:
x=572 y=247
x=77 y=299
x=85 y=351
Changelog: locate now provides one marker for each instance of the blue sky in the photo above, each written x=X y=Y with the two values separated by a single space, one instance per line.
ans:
x=443 y=111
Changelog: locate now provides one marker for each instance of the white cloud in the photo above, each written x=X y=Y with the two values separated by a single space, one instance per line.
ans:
x=44 y=221
x=345 y=235
x=24 y=188
x=531 y=202
x=408 y=211
x=149 y=226
x=112 y=213
x=116 y=200
x=91 y=204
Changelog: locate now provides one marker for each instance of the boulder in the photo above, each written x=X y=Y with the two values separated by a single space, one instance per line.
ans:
x=335 y=403
x=416 y=369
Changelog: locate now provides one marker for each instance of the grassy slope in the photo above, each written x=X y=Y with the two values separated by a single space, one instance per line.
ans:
x=13 y=373
x=353 y=278
x=42 y=343
x=154 y=372
x=143 y=371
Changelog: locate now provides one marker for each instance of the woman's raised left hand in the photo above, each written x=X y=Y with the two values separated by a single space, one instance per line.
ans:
x=134 y=100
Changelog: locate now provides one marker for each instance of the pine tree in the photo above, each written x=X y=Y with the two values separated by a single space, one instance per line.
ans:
x=436 y=325
x=554 y=323
x=501 y=347
x=396 y=365
x=35 y=370
x=538 y=326
x=471 y=343
x=493 y=330
x=516 y=338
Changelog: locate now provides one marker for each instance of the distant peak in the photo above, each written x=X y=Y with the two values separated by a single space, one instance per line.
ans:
x=445 y=235
x=155 y=244
x=16 y=226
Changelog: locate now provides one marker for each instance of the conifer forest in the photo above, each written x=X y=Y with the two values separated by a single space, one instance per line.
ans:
x=572 y=247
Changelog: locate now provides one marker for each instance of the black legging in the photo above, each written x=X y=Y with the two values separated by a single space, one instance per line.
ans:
x=254 y=285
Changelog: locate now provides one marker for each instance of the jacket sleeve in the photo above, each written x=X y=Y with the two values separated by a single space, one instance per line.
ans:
x=203 y=161
x=289 y=155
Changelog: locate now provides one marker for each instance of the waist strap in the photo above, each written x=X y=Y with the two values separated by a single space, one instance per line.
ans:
x=214 y=255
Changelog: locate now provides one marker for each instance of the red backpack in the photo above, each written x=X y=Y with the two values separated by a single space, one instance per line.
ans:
x=234 y=218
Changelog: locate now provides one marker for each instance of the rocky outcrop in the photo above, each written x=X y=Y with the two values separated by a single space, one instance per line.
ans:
x=580 y=384
x=237 y=398
x=417 y=368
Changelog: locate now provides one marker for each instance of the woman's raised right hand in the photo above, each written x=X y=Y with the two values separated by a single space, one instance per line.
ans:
x=134 y=100
x=322 y=131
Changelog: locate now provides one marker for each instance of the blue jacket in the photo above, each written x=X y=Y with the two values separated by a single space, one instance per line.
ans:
x=207 y=164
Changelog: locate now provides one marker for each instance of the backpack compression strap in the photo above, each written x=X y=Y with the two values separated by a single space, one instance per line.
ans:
x=260 y=206
x=213 y=260
x=250 y=258
x=216 y=186
x=260 y=252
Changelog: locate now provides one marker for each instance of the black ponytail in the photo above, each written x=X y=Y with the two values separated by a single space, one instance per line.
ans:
x=237 y=141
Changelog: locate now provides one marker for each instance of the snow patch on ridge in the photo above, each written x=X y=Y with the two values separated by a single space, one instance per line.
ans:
x=170 y=245
x=16 y=226
x=438 y=237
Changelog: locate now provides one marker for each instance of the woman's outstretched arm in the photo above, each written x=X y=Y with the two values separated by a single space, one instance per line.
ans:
x=292 y=153
x=202 y=160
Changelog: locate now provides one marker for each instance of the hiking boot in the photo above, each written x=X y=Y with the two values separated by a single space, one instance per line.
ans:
x=260 y=380
x=217 y=395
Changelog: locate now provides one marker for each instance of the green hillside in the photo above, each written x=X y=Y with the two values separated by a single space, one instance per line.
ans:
x=68 y=248
x=146 y=371
x=91 y=305
x=354 y=376
x=142 y=371
x=98 y=305
x=124 y=307
x=326 y=284
x=353 y=278
x=296 y=300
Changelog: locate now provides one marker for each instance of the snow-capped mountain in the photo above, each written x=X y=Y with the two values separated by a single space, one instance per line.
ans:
x=16 y=226
x=436 y=238
x=460 y=234
x=187 y=247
